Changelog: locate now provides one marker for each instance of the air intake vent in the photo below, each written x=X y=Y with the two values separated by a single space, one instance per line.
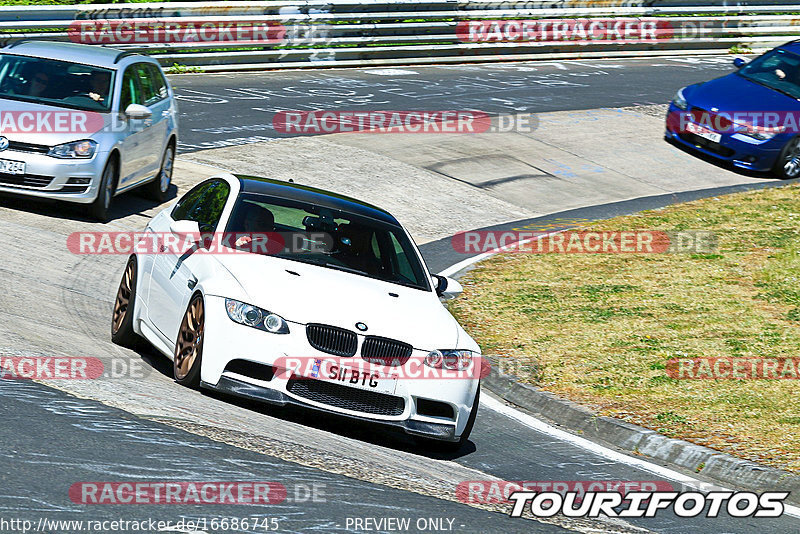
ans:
x=357 y=400
x=25 y=180
x=332 y=340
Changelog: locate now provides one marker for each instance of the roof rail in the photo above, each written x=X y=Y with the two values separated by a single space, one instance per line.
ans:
x=16 y=43
x=123 y=55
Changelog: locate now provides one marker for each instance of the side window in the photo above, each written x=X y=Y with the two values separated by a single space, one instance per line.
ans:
x=131 y=94
x=144 y=75
x=203 y=204
x=159 y=83
x=403 y=265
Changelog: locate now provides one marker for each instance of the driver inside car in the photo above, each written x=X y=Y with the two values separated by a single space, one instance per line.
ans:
x=99 y=84
x=355 y=246
x=253 y=219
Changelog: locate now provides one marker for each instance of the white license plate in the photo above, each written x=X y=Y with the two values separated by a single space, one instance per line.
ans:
x=703 y=132
x=355 y=376
x=12 y=167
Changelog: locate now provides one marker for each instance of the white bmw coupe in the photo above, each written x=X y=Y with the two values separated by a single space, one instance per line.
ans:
x=337 y=312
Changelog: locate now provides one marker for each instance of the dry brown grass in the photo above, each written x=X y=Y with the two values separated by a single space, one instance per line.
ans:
x=599 y=329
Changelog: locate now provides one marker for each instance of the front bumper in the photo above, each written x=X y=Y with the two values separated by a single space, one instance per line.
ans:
x=71 y=180
x=226 y=341
x=737 y=149
x=240 y=388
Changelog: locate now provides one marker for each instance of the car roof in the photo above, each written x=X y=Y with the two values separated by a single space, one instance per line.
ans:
x=793 y=46
x=99 y=56
x=312 y=195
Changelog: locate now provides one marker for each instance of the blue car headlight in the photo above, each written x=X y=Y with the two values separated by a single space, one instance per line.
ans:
x=762 y=134
x=248 y=315
x=680 y=101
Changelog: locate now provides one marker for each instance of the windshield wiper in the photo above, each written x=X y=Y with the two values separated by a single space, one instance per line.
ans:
x=342 y=268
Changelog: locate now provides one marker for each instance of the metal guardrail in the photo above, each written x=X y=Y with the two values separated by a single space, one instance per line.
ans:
x=326 y=33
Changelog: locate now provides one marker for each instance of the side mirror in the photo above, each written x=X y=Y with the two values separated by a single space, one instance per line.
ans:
x=138 y=111
x=739 y=63
x=446 y=288
x=186 y=230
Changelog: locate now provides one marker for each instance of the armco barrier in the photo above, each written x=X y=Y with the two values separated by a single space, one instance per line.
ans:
x=318 y=33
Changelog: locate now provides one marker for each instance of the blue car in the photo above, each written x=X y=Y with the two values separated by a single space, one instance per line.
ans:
x=749 y=118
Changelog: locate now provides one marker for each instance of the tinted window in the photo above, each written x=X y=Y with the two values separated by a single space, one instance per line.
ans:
x=131 y=92
x=148 y=83
x=57 y=83
x=778 y=69
x=203 y=204
x=159 y=84
x=331 y=238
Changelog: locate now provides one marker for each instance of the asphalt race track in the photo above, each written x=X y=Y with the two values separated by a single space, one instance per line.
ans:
x=224 y=109
x=149 y=428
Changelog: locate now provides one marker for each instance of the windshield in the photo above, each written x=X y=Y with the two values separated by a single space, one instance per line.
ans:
x=778 y=69
x=55 y=83
x=332 y=238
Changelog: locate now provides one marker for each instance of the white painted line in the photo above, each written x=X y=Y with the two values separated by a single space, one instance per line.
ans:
x=480 y=257
x=605 y=452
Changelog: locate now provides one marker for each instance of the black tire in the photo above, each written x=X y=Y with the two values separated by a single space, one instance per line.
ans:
x=101 y=206
x=455 y=446
x=158 y=188
x=190 y=338
x=787 y=166
x=122 y=316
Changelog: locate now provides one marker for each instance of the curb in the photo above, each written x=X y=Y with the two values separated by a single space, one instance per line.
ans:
x=718 y=466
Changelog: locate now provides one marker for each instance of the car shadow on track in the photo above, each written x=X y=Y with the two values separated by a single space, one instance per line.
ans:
x=336 y=424
x=125 y=205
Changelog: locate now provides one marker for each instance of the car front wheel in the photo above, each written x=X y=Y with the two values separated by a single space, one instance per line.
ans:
x=157 y=189
x=122 y=319
x=788 y=164
x=189 y=346
x=102 y=204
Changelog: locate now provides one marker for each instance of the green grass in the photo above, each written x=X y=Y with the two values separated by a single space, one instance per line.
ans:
x=599 y=329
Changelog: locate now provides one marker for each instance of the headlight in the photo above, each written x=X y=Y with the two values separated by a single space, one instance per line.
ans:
x=762 y=134
x=680 y=101
x=76 y=149
x=248 y=315
x=454 y=360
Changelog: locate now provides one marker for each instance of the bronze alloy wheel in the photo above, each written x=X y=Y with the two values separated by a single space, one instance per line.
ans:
x=122 y=332
x=123 y=301
x=189 y=348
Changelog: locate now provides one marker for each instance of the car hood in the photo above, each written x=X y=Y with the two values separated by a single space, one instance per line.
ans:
x=42 y=129
x=736 y=94
x=323 y=295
